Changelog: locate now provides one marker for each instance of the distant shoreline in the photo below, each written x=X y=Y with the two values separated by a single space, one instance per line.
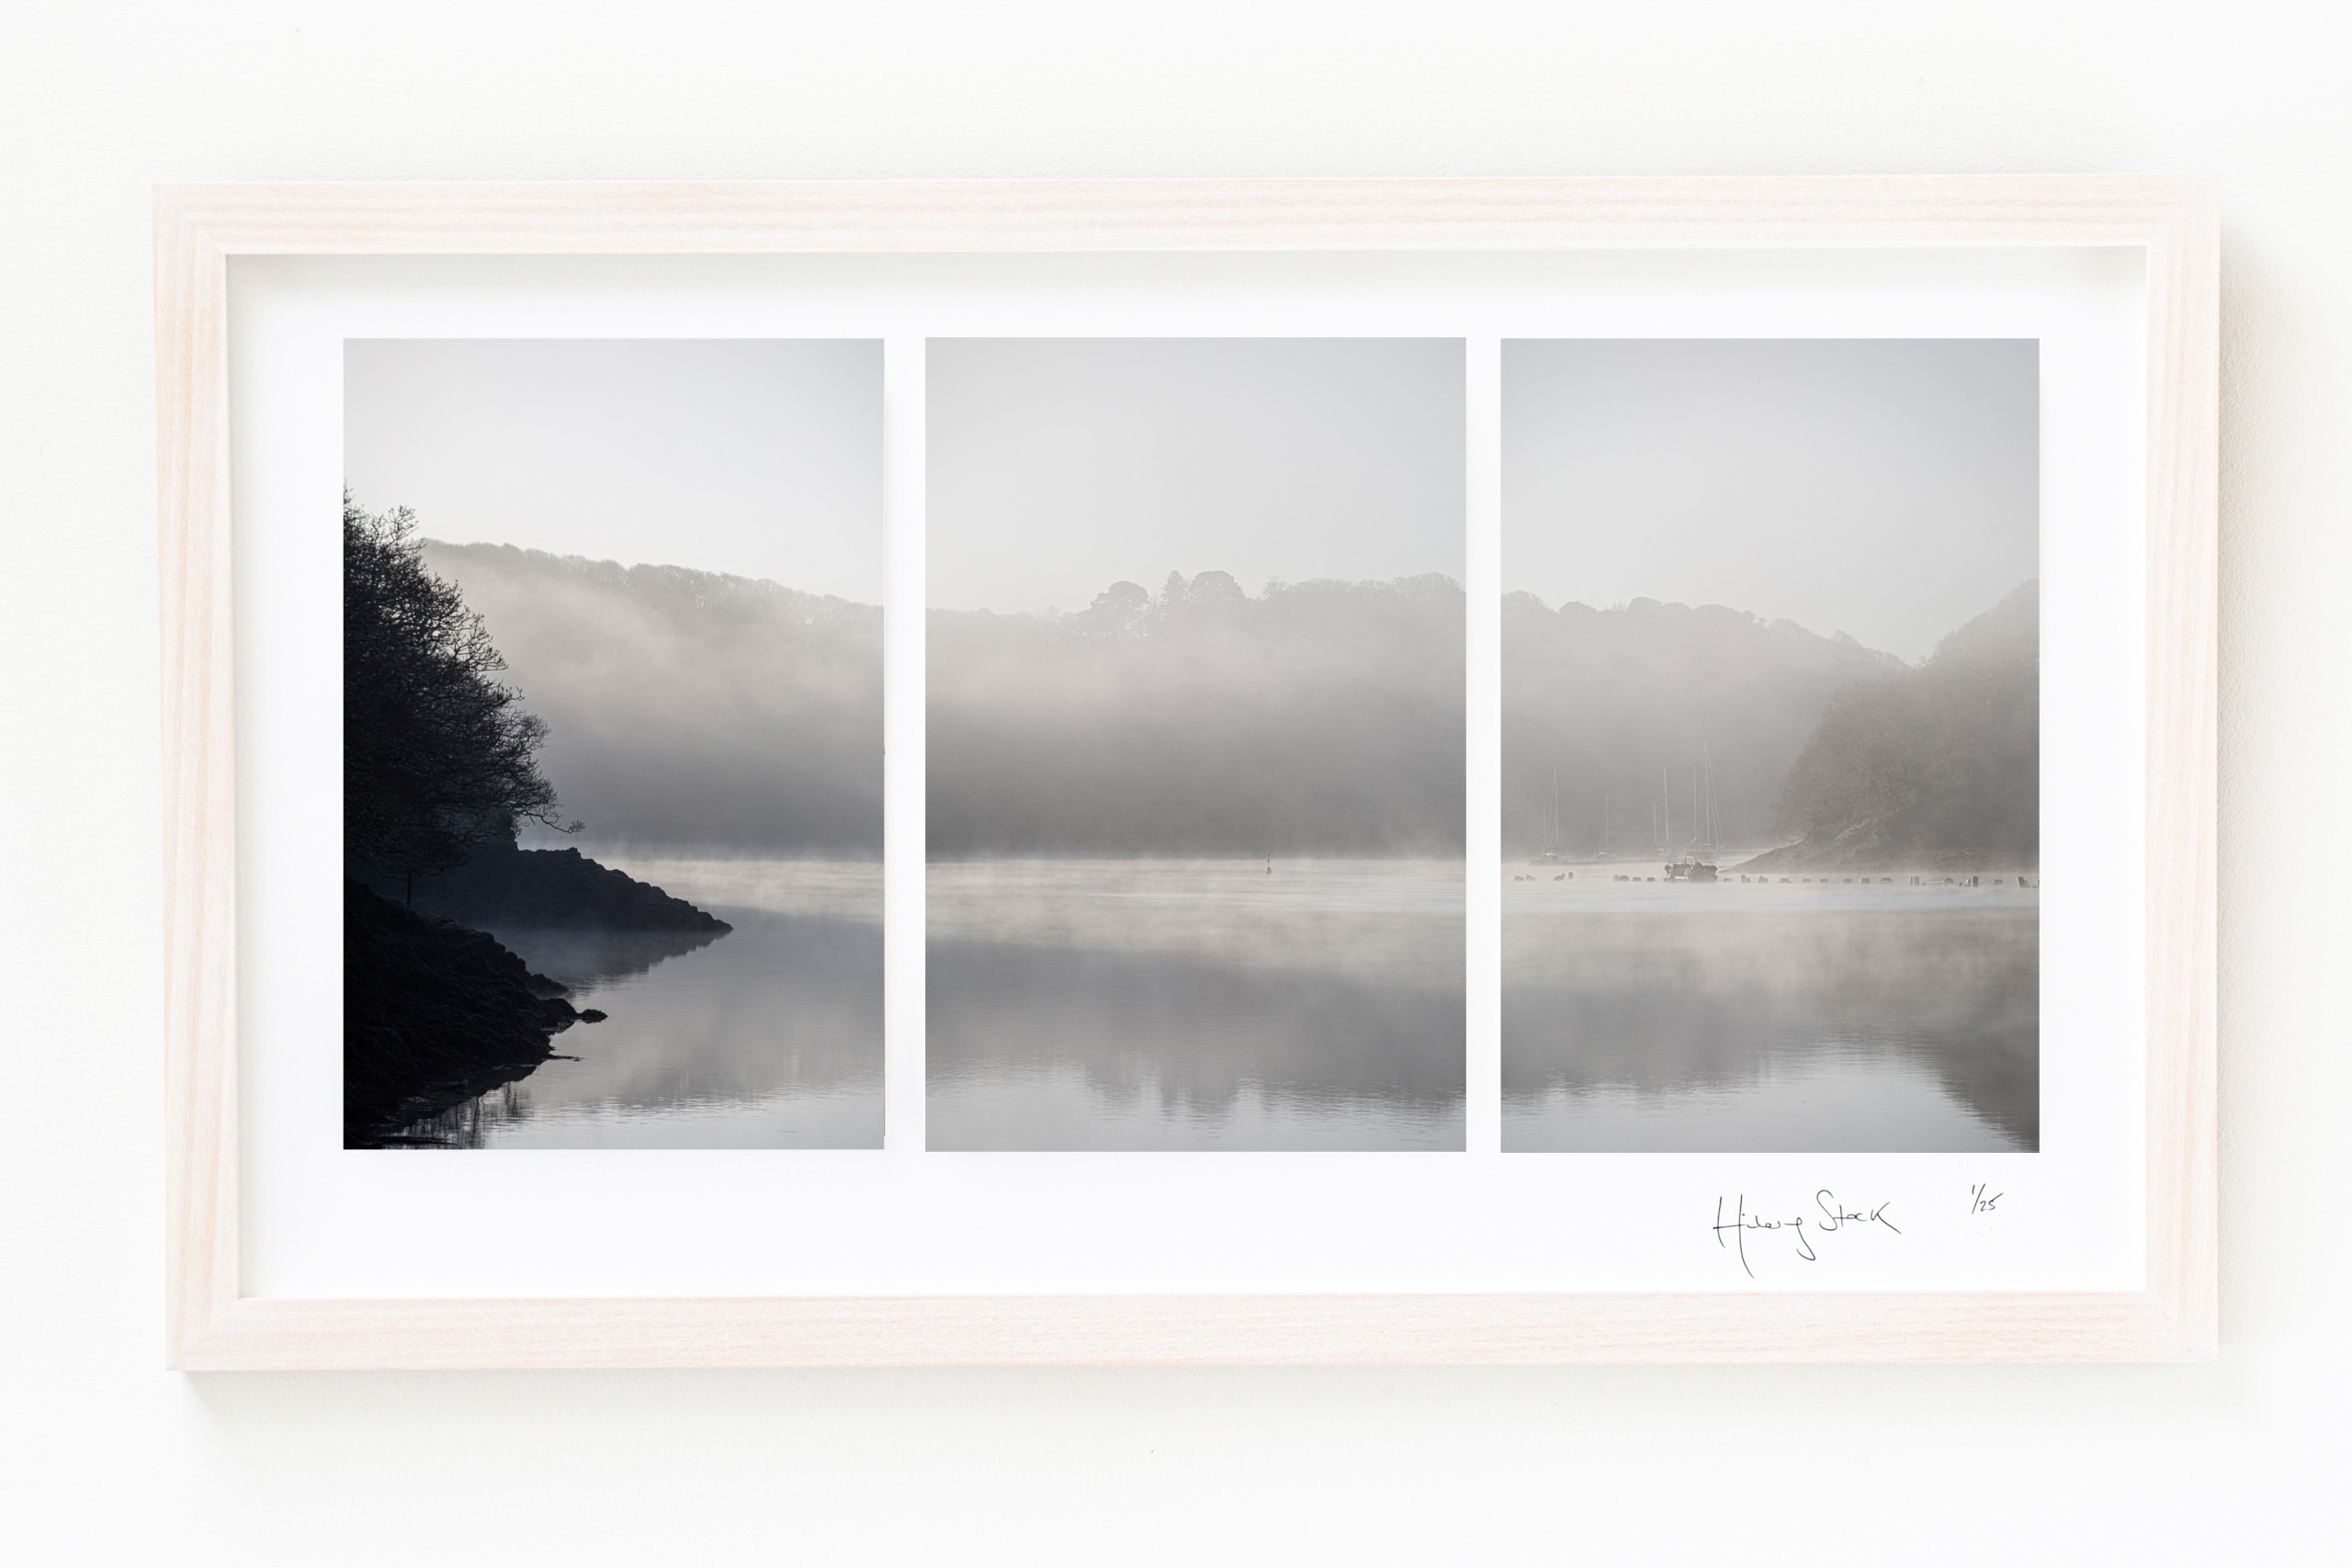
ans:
x=1769 y=864
x=1799 y=857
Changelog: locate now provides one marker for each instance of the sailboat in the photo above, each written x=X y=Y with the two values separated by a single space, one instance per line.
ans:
x=1697 y=863
x=1551 y=853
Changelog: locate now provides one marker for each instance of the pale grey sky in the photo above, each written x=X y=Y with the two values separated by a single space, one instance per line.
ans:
x=1887 y=489
x=1058 y=467
x=756 y=456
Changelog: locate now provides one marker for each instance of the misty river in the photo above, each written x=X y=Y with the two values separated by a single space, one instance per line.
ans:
x=1836 y=1014
x=1195 y=1004
x=767 y=1037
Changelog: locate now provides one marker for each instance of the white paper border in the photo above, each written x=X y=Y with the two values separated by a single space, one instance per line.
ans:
x=319 y=1221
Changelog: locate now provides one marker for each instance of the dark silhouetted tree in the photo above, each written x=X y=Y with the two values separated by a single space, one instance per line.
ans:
x=438 y=754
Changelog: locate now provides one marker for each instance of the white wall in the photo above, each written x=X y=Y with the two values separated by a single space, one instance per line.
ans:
x=105 y=1458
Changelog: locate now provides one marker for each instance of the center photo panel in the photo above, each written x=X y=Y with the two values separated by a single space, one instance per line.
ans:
x=1195 y=744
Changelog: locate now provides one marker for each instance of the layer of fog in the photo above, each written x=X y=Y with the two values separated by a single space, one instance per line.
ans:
x=1633 y=709
x=1400 y=920
x=1321 y=717
x=687 y=708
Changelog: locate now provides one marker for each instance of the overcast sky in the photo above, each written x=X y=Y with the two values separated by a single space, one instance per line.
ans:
x=1884 y=488
x=1058 y=467
x=758 y=457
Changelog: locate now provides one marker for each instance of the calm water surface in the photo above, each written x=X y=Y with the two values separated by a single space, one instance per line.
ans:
x=1802 y=1016
x=767 y=1037
x=1166 y=1004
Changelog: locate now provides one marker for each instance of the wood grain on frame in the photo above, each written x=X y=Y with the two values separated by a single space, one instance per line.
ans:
x=198 y=227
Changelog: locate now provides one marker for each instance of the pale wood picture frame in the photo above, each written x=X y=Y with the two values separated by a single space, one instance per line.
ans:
x=211 y=1325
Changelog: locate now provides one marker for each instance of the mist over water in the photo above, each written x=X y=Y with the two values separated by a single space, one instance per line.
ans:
x=769 y=1036
x=1195 y=1004
x=1845 y=1013
x=1149 y=977
x=1195 y=601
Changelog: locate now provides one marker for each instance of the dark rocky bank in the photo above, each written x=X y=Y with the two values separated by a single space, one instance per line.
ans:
x=504 y=887
x=433 y=1014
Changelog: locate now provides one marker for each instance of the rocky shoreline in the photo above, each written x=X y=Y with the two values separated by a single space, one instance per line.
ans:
x=433 y=1014
x=437 y=1011
x=502 y=886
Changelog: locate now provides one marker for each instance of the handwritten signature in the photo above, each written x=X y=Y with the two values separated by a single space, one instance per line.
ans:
x=1834 y=1217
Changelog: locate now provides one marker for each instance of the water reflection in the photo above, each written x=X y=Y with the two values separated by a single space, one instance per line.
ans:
x=1751 y=1020
x=767 y=1037
x=1195 y=1005
x=587 y=959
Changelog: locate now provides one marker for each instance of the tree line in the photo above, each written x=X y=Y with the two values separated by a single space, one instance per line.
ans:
x=1627 y=707
x=696 y=710
x=1940 y=762
x=691 y=708
x=1314 y=718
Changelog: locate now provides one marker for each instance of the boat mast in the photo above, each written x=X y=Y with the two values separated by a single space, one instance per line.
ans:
x=1707 y=819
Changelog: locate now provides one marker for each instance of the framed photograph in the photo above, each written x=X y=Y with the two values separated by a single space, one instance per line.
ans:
x=1424 y=770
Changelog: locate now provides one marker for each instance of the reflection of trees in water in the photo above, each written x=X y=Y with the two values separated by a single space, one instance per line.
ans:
x=466 y=1125
x=1193 y=1038
x=587 y=958
x=783 y=1010
x=579 y=960
x=1663 y=1005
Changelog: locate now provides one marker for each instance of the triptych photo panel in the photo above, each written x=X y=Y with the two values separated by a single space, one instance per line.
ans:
x=612 y=744
x=1199 y=681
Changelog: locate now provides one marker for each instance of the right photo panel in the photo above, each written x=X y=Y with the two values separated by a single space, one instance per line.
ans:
x=1770 y=746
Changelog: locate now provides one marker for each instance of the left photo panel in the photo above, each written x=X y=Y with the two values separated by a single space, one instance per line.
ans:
x=612 y=742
